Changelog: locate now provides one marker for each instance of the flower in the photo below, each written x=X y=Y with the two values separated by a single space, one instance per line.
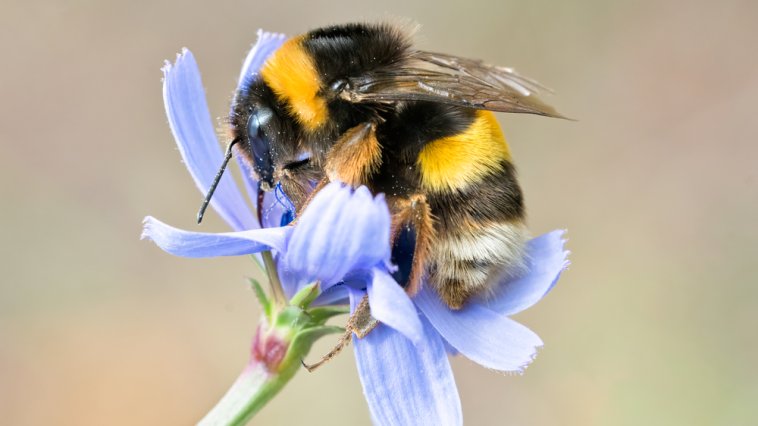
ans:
x=342 y=241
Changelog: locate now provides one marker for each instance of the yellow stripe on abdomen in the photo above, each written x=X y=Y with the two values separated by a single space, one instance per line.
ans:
x=454 y=162
x=292 y=75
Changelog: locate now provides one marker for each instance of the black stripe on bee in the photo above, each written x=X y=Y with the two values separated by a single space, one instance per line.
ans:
x=497 y=198
x=405 y=133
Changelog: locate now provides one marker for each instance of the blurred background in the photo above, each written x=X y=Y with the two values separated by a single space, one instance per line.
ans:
x=657 y=183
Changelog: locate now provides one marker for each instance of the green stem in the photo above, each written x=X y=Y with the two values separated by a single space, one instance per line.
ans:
x=282 y=340
x=252 y=390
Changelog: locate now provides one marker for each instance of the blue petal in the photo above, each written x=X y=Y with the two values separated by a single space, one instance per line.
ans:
x=335 y=295
x=482 y=335
x=289 y=280
x=266 y=44
x=449 y=348
x=391 y=306
x=547 y=259
x=272 y=210
x=249 y=180
x=340 y=231
x=407 y=384
x=193 y=130
x=200 y=244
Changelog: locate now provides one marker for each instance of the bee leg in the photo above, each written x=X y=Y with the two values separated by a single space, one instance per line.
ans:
x=415 y=212
x=355 y=156
x=307 y=199
x=352 y=159
x=296 y=184
x=295 y=181
x=360 y=322
x=344 y=341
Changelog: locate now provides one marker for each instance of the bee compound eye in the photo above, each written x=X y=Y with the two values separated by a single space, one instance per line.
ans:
x=259 y=144
x=338 y=85
x=253 y=126
x=258 y=120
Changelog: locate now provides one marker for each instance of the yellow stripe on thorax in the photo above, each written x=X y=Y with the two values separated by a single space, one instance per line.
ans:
x=457 y=161
x=292 y=75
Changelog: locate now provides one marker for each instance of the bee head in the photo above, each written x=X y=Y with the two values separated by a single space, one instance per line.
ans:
x=266 y=135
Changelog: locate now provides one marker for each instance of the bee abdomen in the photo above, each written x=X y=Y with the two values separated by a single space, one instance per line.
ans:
x=479 y=235
x=471 y=261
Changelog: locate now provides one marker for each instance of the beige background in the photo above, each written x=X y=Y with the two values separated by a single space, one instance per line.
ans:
x=654 y=324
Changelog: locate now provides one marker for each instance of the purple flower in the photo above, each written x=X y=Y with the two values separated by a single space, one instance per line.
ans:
x=342 y=241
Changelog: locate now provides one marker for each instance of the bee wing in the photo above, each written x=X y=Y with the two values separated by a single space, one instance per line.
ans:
x=449 y=79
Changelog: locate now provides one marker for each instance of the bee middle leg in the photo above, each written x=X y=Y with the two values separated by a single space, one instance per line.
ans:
x=353 y=159
x=361 y=323
x=415 y=213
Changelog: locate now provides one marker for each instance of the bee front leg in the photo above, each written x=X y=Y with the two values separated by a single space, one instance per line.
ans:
x=295 y=181
x=355 y=156
x=352 y=159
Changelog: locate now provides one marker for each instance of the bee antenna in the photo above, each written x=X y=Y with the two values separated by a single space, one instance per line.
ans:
x=216 y=180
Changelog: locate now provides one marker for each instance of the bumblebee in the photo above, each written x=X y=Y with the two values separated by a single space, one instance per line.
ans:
x=359 y=104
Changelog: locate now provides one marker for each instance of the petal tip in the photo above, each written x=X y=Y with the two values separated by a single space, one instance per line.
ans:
x=362 y=192
x=166 y=68
x=520 y=370
x=266 y=35
x=380 y=198
x=147 y=223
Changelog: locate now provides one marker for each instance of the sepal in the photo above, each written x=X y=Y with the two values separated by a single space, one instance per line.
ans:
x=262 y=298
x=303 y=341
x=305 y=296
x=322 y=314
